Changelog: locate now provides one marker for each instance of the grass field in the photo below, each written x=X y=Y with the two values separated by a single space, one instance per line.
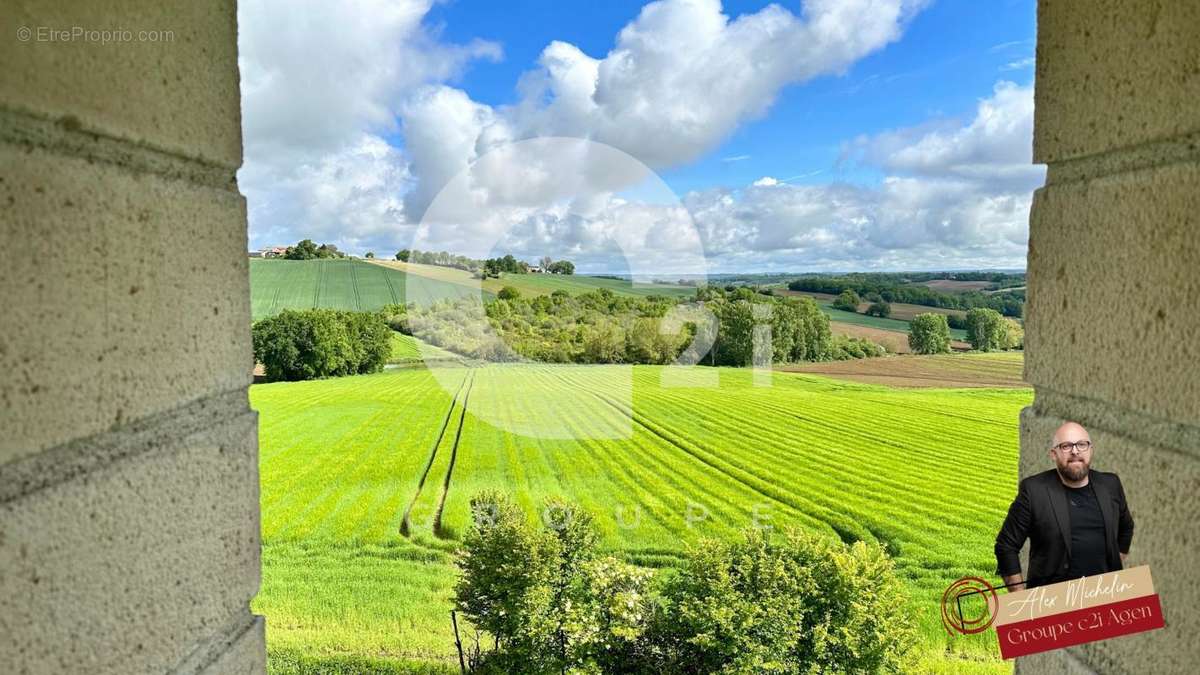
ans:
x=539 y=284
x=365 y=484
x=276 y=285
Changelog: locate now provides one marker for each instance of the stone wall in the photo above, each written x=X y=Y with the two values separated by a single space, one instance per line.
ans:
x=1113 y=316
x=129 y=532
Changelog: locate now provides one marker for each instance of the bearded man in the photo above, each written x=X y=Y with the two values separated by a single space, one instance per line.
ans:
x=1075 y=518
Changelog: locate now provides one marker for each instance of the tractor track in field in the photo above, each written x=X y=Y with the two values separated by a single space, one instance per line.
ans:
x=405 y=524
x=354 y=285
x=462 y=417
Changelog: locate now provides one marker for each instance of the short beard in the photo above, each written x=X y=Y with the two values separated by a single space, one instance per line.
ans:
x=1073 y=472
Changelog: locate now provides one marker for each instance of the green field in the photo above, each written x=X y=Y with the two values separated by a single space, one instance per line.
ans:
x=349 y=464
x=276 y=285
x=539 y=284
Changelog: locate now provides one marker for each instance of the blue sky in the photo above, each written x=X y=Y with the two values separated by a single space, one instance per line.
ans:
x=844 y=134
x=951 y=55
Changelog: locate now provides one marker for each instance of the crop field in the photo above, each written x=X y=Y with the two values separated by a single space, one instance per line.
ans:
x=977 y=369
x=540 y=284
x=366 y=482
x=276 y=285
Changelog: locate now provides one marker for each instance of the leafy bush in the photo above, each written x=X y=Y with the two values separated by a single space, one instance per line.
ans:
x=846 y=347
x=791 y=603
x=549 y=600
x=508 y=293
x=847 y=301
x=880 y=309
x=314 y=343
x=929 y=334
x=788 y=603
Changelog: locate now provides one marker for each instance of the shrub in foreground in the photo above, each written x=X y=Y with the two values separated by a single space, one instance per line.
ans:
x=314 y=343
x=791 y=602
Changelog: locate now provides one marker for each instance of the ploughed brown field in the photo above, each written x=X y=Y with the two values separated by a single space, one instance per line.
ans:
x=900 y=310
x=994 y=369
x=954 y=285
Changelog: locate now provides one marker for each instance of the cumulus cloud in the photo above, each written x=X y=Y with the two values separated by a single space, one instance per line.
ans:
x=353 y=129
x=655 y=93
x=953 y=193
x=321 y=88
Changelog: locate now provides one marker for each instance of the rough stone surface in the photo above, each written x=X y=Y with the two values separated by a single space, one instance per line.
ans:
x=127 y=294
x=247 y=654
x=127 y=568
x=1114 y=73
x=1163 y=489
x=179 y=93
x=1113 y=310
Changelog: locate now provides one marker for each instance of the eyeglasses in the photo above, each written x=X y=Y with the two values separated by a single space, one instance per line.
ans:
x=1080 y=446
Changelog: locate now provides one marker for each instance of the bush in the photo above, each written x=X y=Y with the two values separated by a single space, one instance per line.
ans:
x=508 y=293
x=792 y=603
x=846 y=348
x=986 y=329
x=880 y=309
x=549 y=600
x=314 y=343
x=847 y=301
x=929 y=334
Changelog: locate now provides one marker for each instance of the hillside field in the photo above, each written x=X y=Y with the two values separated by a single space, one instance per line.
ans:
x=366 y=481
x=276 y=285
x=539 y=284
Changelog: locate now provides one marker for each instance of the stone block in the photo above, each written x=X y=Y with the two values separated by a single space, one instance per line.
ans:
x=127 y=294
x=1113 y=74
x=125 y=569
x=164 y=74
x=1113 y=310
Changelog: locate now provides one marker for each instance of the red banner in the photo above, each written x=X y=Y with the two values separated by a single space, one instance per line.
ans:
x=1079 y=626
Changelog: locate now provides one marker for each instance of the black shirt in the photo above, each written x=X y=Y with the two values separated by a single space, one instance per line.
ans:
x=1087 y=533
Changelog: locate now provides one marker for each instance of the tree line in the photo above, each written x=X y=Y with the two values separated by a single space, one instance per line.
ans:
x=489 y=267
x=890 y=288
x=718 y=328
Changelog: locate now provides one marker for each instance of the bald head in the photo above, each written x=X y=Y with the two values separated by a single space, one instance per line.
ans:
x=1071 y=450
x=1070 y=432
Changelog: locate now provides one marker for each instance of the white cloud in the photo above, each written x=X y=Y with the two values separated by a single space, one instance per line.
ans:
x=678 y=80
x=321 y=87
x=954 y=194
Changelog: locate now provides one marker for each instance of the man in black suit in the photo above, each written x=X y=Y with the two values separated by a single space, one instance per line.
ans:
x=1076 y=519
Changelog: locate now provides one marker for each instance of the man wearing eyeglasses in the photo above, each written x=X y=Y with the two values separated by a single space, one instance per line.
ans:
x=1076 y=519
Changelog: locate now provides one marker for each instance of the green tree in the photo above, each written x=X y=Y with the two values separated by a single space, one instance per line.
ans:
x=561 y=267
x=847 y=301
x=1014 y=334
x=315 y=343
x=403 y=255
x=929 y=334
x=879 y=308
x=370 y=254
x=986 y=330
x=508 y=293
x=305 y=249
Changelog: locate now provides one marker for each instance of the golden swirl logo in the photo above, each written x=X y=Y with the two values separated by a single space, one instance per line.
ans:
x=969 y=592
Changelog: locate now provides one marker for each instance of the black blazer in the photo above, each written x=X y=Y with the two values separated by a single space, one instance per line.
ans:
x=1040 y=514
